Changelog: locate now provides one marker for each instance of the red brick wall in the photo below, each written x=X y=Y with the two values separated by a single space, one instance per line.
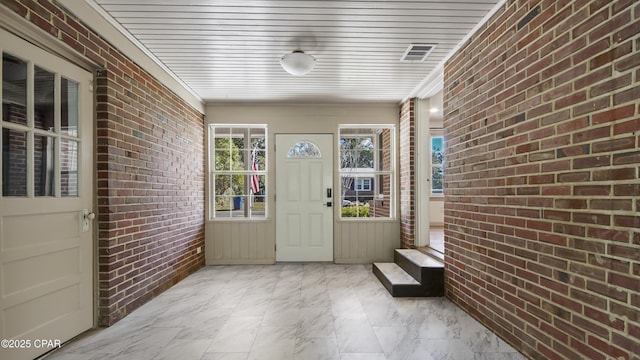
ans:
x=407 y=173
x=542 y=199
x=382 y=207
x=150 y=171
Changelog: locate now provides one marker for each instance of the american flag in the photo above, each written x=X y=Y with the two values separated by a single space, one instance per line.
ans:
x=255 y=185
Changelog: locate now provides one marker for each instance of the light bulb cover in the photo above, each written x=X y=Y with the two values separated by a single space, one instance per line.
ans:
x=297 y=63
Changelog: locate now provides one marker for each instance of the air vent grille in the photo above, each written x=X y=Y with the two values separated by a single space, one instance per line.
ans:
x=417 y=52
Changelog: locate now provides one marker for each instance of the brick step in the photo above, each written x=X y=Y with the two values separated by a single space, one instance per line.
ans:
x=413 y=274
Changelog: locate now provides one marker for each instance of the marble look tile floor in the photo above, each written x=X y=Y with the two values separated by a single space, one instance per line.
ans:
x=289 y=311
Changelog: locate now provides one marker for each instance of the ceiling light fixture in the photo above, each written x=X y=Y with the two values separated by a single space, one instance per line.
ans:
x=297 y=63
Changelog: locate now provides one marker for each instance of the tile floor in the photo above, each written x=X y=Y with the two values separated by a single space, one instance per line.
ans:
x=436 y=238
x=290 y=311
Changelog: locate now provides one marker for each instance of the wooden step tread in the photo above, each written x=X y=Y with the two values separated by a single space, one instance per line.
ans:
x=420 y=259
x=395 y=274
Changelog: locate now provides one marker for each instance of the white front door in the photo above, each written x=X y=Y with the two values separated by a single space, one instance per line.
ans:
x=46 y=250
x=304 y=196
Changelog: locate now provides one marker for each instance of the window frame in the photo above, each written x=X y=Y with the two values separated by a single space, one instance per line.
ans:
x=377 y=172
x=247 y=172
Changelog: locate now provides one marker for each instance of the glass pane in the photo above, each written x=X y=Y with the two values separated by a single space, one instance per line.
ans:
x=14 y=90
x=437 y=180
x=257 y=184
x=258 y=160
x=237 y=160
x=355 y=198
x=221 y=142
x=223 y=206
x=304 y=149
x=358 y=208
x=356 y=153
x=43 y=165
x=381 y=203
x=222 y=185
x=237 y=143
x=69 y=107
x=257 y=141
x=258 y=206
x=14 y=163
x=385 y=160
x=257 y=133
x=69 y=160
x=43 y=99
x=222 y=161
x=437 y=150
x=237 y=185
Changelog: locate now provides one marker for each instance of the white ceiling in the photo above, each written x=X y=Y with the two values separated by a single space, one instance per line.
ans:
x=229 y=50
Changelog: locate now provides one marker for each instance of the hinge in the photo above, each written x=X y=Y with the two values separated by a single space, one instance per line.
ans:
x=275 y=247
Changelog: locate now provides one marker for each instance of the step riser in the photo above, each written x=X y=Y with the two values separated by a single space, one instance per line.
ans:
x=431 y=278
x=408 y=266
x=400 y=290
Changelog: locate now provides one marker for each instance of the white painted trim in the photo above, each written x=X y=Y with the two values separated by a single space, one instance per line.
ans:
x=422 y=176
x=434 y=81
x=102 y=23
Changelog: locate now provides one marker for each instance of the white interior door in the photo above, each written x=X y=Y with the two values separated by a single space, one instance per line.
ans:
x=304 y=196
x=46 y=251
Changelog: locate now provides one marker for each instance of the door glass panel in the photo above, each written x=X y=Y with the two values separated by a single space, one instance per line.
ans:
x=69 y=107
x=43 y=165
x=14 y=90
x=43 y=99
x=304 y=149
x=14 y=163
x=68 y=167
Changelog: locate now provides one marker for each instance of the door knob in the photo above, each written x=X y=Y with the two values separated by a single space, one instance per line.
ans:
x=91 y=215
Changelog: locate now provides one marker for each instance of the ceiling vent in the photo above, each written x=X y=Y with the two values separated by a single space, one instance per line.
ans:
x=417 y=52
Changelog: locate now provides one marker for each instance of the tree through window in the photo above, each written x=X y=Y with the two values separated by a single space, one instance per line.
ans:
x=238 y=171
x=366 y=171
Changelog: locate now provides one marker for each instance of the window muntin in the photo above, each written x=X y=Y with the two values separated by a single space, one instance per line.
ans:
x=238 y=171
x=437 y=165
x=367 y=164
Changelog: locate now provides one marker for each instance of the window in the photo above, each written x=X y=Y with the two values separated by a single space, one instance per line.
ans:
x=238 y=170
x=363 y=184
x=437 y=165
x=367 y=166
x=39 y=126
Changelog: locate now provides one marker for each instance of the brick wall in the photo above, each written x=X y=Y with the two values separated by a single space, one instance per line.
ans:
x=542 y=187
x=150 y=171
x=382 y=207
x=407 y=173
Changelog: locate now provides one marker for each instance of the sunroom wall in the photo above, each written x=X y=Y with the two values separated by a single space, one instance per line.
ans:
x=253 y=241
